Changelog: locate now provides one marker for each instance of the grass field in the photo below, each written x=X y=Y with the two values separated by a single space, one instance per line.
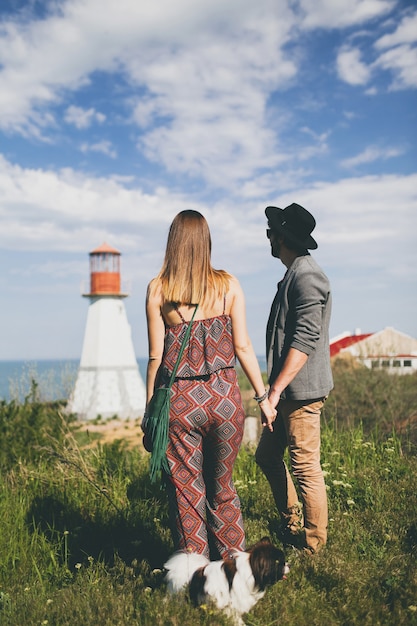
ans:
x=84 y=534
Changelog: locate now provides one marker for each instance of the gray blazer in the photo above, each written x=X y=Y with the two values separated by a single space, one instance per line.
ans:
x=299 y=318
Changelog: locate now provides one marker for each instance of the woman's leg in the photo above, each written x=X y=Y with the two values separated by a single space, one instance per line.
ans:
x=185 y=484
x=221 y=447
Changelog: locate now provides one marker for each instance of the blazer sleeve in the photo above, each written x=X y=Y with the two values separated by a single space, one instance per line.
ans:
x=308 y=295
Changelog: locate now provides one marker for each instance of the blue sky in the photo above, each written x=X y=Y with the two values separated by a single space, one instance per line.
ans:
x=114 y=116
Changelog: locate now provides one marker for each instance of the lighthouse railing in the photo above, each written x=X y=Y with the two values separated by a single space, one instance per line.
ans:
x=125 y=287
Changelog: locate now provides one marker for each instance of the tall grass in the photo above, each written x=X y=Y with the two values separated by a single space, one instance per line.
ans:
x=84 y=533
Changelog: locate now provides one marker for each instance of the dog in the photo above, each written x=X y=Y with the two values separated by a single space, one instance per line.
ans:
x=235 y=584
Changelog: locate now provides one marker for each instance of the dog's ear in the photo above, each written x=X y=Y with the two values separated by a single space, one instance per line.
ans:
x=265 y=540
x=267 y=564
x=229 y=568
x=196 y=587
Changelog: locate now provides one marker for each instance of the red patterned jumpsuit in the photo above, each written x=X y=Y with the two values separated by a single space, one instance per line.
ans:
x=205 y=433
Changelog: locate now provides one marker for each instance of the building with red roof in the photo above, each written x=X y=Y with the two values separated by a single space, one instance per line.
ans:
x=388 y=349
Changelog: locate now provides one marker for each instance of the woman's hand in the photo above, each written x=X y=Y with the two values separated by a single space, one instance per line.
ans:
x=269 y=414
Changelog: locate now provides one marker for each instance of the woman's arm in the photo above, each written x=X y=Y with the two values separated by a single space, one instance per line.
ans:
x=245 y=352
x=156 y=334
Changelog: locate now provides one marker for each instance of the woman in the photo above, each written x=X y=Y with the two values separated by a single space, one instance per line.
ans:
x=206 y=416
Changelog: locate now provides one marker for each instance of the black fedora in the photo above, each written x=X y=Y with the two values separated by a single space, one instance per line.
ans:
x=295 y=223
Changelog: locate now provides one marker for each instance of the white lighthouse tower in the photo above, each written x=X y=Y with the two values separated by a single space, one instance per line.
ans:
x=108 y=382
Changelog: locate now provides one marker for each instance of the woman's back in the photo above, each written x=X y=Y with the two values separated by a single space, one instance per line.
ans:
x=210 y=347
x=174 y=314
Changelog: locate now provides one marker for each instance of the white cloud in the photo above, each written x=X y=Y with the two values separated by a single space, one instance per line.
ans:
x=398 y=54
x=42 y=58
x=66 y=210
x=198 y=78
x=405 y=33
x=57 y=269
x=349 y=115
x=350 y=68
x=320 y=145
x=104 y=147
x=342 y=13
x=402 y=61
x=83 y=118
x=232 y=106
x=206 y=70
x=365 y=230
x=371 y=154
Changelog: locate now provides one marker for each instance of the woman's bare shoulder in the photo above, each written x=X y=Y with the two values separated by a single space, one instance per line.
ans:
x=233 y=281
x=234 y=294
x=154 y=289
x=234 y=285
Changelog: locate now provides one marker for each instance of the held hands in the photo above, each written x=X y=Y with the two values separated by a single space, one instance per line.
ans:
x=268 y=413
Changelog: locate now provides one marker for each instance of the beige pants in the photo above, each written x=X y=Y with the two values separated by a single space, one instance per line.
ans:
x=297 y=427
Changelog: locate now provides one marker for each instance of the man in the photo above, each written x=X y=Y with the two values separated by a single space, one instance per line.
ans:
x=300 y=378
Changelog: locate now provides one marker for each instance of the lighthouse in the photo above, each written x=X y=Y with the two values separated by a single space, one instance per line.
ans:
x=108 y=381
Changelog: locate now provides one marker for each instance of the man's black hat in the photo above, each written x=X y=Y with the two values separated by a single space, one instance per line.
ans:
x=295 y=223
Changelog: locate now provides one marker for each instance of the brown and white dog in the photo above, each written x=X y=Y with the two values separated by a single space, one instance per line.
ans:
x=235 y=584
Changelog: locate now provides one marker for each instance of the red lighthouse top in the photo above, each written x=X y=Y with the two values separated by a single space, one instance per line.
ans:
x=105 y=272
x=104 y=249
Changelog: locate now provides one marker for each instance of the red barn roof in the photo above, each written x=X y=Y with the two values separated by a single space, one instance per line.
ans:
x=339 y=344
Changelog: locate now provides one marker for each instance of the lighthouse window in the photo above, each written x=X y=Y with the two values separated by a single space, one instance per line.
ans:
x=105 y=262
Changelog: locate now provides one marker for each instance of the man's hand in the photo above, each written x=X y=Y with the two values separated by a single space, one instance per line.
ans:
x=268 y=414
x=293 y=363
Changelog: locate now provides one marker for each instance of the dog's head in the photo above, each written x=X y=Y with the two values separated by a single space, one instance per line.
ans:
x=267 y=563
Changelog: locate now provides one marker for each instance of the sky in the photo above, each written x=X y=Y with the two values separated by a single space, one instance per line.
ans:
x=116 y=115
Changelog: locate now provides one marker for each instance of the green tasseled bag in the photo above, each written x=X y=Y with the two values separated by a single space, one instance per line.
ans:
x=157 y=430
x=156 y=421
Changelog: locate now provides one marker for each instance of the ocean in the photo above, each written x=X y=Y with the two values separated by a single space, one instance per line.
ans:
x=55 y=378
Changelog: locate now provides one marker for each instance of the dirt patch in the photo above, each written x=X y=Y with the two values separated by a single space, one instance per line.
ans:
x=90 y=433
x=128 y=431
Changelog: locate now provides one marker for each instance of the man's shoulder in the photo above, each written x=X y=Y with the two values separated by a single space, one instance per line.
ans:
x=307 y=270
x=307 y=264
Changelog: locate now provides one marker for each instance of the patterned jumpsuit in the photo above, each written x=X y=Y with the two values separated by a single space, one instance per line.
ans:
x=205 y=433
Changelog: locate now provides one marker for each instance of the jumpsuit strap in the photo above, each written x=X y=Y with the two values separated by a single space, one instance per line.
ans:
x=175 y=305
x=179 y=312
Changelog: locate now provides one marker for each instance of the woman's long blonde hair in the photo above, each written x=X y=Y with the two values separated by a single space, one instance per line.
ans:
x=186 y=276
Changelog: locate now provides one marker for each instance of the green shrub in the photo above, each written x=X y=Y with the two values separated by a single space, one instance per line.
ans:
x=378 y=401
x=25 y=428
x=84 y=533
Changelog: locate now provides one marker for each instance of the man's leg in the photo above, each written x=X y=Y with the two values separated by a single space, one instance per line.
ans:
x=302 y=423
x=269 y=456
